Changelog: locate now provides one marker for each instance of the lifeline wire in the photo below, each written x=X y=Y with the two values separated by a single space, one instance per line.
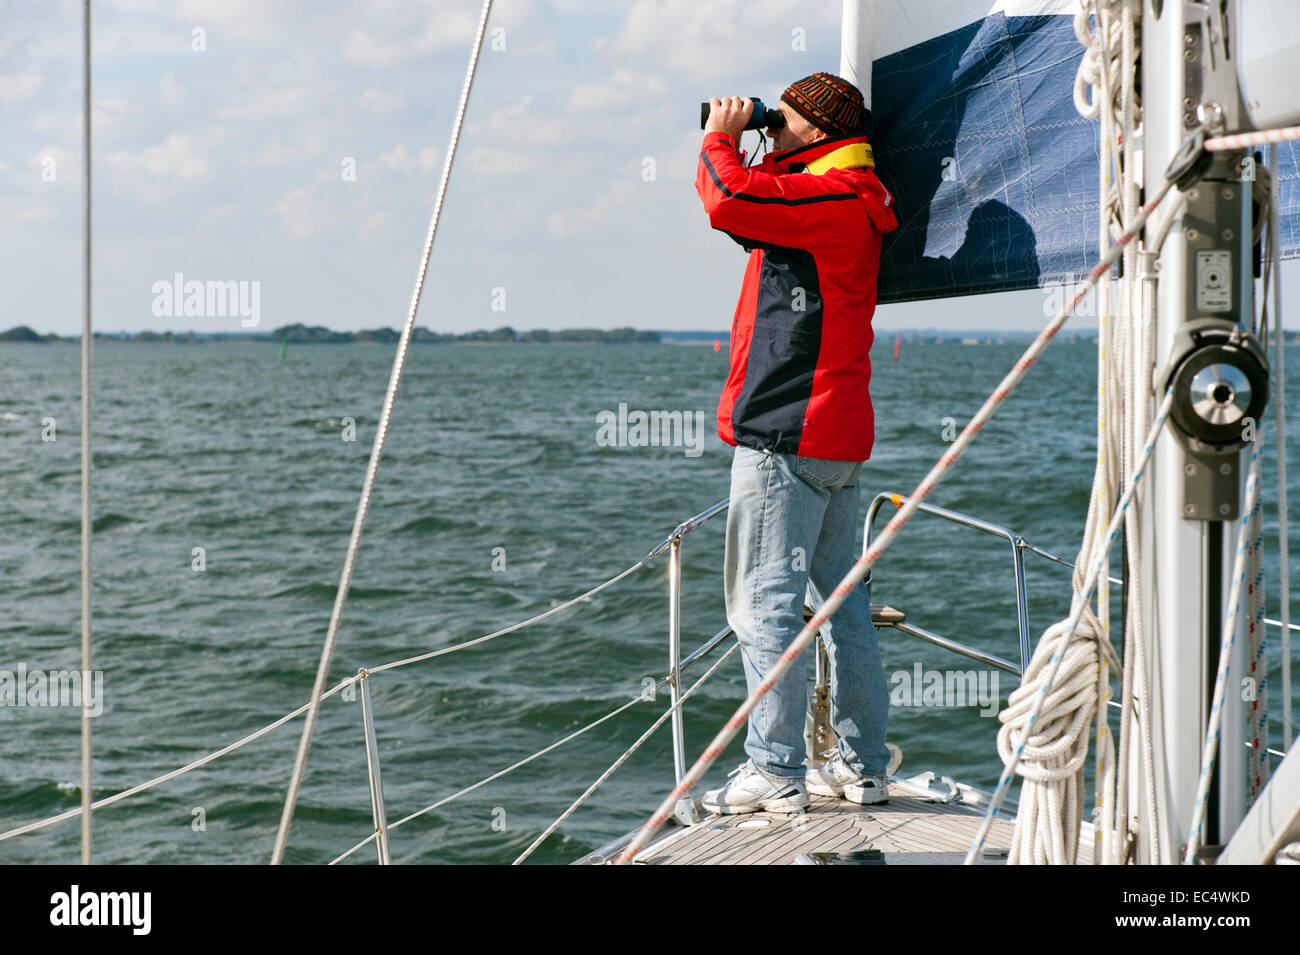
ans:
x=626 y=755
x=497 y=775
x=367 y=487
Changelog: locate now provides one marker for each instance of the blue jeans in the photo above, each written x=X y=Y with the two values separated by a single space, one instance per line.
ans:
x=793 y=521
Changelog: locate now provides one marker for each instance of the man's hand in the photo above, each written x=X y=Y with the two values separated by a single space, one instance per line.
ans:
x=729 y=115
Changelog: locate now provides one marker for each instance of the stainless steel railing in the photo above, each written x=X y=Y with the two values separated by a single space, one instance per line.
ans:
x=1018 y=546
x=674 y=545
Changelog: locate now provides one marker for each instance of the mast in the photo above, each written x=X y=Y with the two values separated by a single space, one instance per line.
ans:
x=1191 y=526
x=857 y=31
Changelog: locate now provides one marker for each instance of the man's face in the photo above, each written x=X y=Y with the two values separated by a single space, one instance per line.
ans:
x=796 y=132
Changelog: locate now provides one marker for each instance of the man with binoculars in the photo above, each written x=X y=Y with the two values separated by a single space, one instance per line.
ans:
x=797 y=408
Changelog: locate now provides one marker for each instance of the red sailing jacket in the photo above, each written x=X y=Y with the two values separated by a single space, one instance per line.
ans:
x=811 y=218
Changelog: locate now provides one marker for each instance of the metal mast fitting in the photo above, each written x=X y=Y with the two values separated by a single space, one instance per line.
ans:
x=1206 y=352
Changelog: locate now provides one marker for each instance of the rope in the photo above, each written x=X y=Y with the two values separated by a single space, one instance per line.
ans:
x=1279 y=401
x=518 y=626
x=1257 y=761
x=1135 y=415
x=881 y=543
x=624 y=758
x=1264 y=137
x=1054 y=756
x=1229 y=634
x=1043 y=685
x=1125 y=361
x=362 y=844
x=87 y=462
x=367 y=487
x=1101 y=46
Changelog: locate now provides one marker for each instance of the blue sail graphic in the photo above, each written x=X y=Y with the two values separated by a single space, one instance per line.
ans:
x=994 y=171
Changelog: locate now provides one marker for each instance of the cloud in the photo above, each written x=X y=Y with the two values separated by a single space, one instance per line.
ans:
x=302 y=215
x=381 y=103
x=708 y=40
x=170 y=90
x=180 y=156
x=246 y=22
x=399 y=160
x=682 y=161
x=276 y=105
x=527 y=122
x=378 y=225
x=494 y=161
x=568 y=223
x=108 y=115
x=277 y=153
x=66 y=128
x=624 y=91
x=159 y=173
x=402 y=41
x=15 y=87
x=30 y=215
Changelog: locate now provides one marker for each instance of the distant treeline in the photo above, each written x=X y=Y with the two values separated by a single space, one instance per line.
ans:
x=319 y=335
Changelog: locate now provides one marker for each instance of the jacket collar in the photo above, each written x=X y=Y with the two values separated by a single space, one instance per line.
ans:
x=835 y=152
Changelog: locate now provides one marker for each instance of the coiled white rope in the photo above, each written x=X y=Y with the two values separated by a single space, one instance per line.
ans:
x=372 y=469
x=1089 y=79
x=1051 y=763
x=1045 y=683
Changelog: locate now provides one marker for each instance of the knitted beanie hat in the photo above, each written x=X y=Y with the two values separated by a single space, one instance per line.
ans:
x=829 y=102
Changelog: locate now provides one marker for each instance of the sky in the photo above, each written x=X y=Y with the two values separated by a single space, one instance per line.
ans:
x=295 y=148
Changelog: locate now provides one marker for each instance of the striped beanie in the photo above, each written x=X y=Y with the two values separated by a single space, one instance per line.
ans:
x=829 y=102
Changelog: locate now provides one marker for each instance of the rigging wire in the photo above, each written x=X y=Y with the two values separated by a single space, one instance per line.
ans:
x=376 y=452
x=87 y=462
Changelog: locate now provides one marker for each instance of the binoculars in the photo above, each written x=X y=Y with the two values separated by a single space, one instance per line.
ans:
x=763 y=117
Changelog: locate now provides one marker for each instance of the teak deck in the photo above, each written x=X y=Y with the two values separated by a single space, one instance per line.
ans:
x=907 y=830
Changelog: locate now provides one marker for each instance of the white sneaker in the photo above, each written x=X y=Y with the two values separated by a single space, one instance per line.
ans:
x=834 y=778
x=753 y=790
